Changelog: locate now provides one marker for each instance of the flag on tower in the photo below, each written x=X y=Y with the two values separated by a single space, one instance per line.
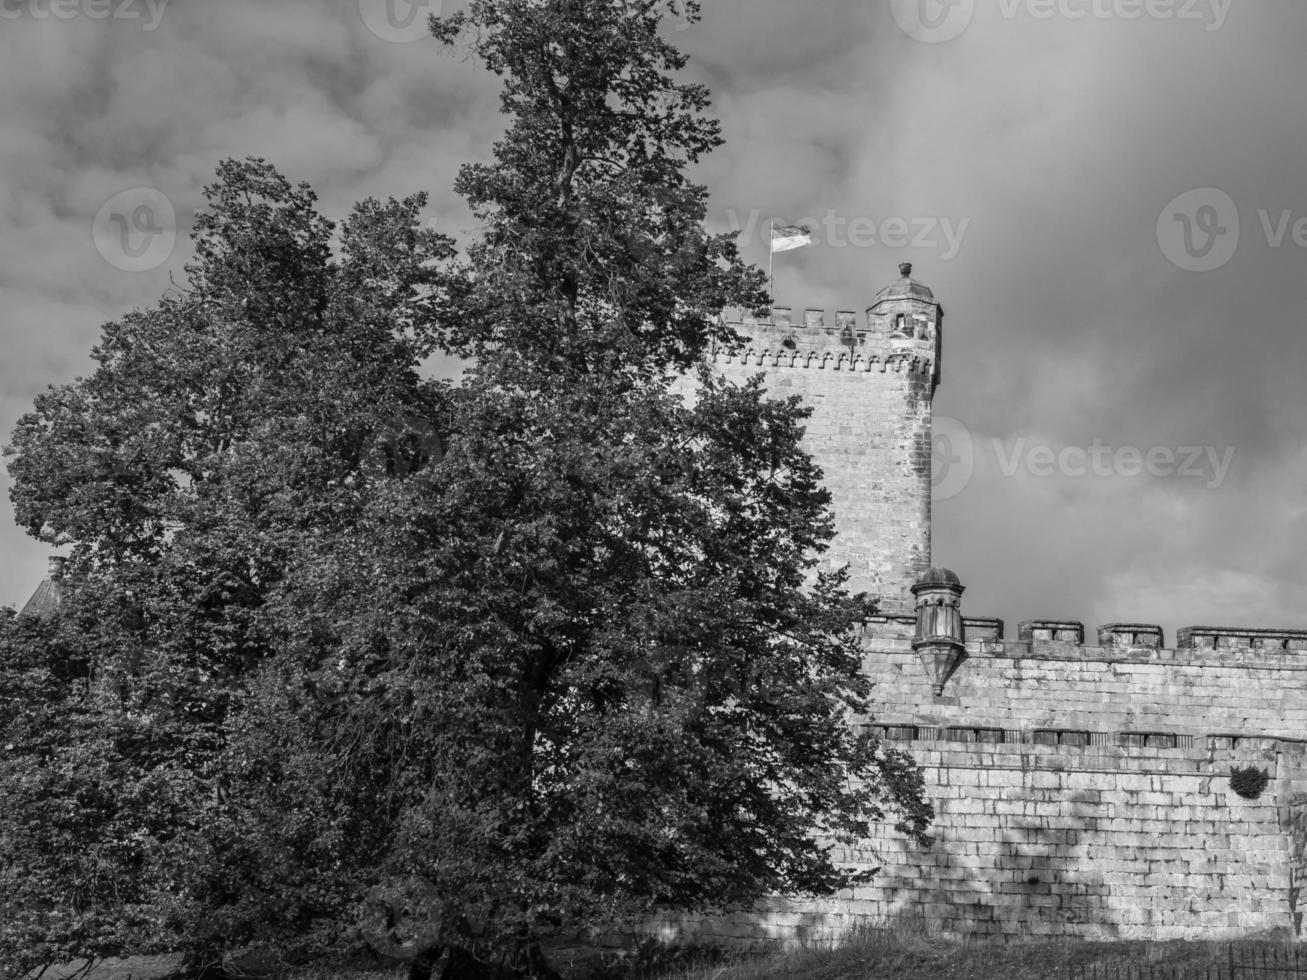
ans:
x=789 y=237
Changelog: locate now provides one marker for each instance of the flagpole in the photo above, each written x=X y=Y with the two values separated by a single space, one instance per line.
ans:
x=771 y=262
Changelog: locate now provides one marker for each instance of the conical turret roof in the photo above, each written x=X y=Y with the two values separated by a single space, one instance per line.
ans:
x=905 y=287
x=45 y=600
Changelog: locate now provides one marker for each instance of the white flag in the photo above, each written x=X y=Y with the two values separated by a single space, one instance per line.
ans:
x=790 y=237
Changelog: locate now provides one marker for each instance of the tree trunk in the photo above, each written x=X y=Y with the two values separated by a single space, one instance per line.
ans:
x=538 y=967
x=423 y=966
x=460 y=964
x=201 y=964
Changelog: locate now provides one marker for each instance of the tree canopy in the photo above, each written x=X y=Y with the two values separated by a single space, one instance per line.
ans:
x=447 y=666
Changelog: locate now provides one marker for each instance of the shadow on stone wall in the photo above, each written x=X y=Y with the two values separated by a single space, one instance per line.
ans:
x=1100 y=842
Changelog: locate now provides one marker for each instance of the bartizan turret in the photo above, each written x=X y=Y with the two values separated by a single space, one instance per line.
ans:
x=939 y=640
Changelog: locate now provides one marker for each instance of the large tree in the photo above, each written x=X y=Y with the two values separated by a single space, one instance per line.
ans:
x=572 y=661
x=584 y=666
x=254 y=409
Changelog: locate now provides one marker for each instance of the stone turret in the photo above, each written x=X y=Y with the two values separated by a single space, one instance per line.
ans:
x=939 y=640
x=45 y=600
x=907 y=321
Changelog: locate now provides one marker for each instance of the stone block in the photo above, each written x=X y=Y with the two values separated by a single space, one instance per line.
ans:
x=1224 y=638
x=1051 y=631
x=983 y=630
x=1132 y=635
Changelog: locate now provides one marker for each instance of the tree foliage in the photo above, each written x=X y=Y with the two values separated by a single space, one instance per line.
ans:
x=464 y=665
x=220 y=430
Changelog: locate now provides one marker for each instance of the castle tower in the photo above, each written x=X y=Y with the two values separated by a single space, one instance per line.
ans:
x=870 y=382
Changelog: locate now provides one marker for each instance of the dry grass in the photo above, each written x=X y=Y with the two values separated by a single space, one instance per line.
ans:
x=903 y=951
x=914 y=953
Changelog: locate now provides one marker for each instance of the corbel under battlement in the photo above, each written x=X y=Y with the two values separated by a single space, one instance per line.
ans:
x=830 y=359
x=848 y=342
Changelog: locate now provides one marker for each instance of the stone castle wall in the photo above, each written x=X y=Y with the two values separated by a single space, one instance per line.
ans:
x=1082 y=791
x=1079 y=790
x=1104 y=773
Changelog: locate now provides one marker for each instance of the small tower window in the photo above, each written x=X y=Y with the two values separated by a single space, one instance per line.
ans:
x=902 y=327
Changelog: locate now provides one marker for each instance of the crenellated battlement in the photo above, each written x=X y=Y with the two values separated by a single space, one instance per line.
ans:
x=1117 y=642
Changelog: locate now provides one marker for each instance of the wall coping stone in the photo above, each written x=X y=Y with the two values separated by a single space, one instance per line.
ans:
x=890 y=626
x=1224 y=638
x=1144 y=635
x=982 y=628
x=1052 y=631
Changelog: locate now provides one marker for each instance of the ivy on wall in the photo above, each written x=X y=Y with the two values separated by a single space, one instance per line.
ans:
x=1249 y=781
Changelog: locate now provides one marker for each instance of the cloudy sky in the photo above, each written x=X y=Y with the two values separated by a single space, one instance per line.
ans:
x=1105 y=195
